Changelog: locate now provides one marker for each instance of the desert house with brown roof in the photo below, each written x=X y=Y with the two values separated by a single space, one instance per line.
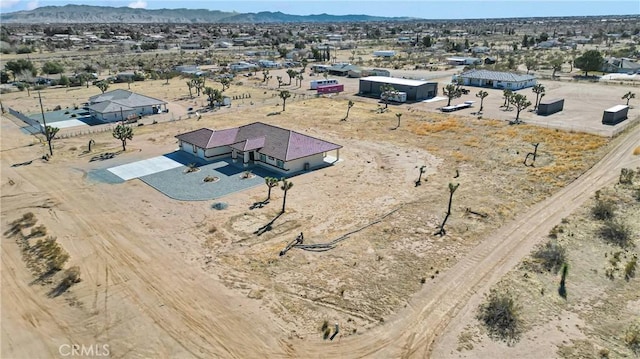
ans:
x=118 y=105
x=272 y=147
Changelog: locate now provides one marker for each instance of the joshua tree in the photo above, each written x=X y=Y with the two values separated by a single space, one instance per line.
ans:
x=213 y=95
x=265 y=76
x=482 y=94
x=225 y=82
x=349 y=106
x=398 y=115
x=199 y=84
x=452 y=189
x=123 y=133
x=507 y=98
x=286 y=186
x=291 y=73
x=520 y=102
x=556 y=65
x=628 y=96
x=190 y=85
x=300 y=78
x=50 y=134
x=103 y=86
x=531 y=64
x=538 y=89
x=284 y=95
x=387 y=91
x=270 y=182
x=451 y=91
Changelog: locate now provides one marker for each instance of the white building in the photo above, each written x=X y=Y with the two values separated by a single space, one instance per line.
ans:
x=495 y=79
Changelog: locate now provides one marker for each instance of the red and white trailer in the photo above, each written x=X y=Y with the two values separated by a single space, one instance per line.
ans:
x=335 y=88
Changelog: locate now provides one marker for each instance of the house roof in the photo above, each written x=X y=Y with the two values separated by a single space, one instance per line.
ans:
x=394 y=81
x=277 y=142
x=125 y=98
x=495 y=76
x=108 y=107
x=344 y=68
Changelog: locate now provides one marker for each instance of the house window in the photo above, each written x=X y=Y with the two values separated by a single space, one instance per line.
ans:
x=195 y=149
x=271 y=158
x=508 y=84
x=263 y=158
x=280 y=164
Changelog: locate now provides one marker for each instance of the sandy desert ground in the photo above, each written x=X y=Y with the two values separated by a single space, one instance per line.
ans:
x=164 y=278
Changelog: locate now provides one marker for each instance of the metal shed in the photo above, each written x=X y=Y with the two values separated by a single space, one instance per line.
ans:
x=548 y=107
x=615 y=114
x=416 y=90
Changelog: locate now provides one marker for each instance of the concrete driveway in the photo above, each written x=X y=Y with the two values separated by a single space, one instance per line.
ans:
x=144 y=167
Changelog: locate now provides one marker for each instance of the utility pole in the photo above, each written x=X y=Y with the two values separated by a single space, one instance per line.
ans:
x=44 y=122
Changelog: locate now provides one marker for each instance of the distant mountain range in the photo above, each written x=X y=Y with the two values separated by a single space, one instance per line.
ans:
x=82 y=14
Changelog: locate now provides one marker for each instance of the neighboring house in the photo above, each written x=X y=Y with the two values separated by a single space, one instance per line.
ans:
x=489 y=60
x=416 y=90
x=495 y=79
x=189 y=70
x=118 y=105
x=458 y=61
x=384 y=53
x=242 y=66
x=479 y=50
x=272 y=147
x=343 y=69
x=620 y=65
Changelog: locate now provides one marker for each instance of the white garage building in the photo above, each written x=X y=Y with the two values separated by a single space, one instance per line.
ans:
x=118 y=105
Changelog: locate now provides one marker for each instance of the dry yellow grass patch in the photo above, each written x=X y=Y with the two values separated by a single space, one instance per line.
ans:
x=426 y=128
x=637 y=151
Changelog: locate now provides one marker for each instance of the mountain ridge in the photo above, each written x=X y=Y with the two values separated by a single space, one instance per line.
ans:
x=82 y=14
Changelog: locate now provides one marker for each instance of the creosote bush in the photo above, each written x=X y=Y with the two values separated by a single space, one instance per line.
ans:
x=603 y=209
x=550 y=256
x=630 y=268
x=617 y=232
x=632 y=338
x=500 y=315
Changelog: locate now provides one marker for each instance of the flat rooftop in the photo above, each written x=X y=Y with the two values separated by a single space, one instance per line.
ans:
x=395 y=81
x=616 y=108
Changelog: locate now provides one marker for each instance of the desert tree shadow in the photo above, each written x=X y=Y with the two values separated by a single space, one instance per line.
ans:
x=259 y=204
x=269 y=226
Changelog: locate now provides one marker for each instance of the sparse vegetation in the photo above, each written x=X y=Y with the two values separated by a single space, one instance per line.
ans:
x=604 y=209
x=617 y=232
x=632 y=337
x=549 y=257
x=500 y=315
x=630 y=268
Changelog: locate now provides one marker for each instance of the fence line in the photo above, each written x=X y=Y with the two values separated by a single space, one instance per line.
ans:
x=36 y=127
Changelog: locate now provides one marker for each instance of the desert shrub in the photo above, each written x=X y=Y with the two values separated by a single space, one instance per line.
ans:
x=191 y=167
x=27 y=220
x=71 y=276
x=66 y=112
x=500 y=315
x=213 y=229
x=57 y=108
x=603 y=209
x=49 y=252
x=603 y=353
x=39 y=231
x=211 y=178
x=630 y=268
x=626 y=176
x=550 y=256
x=617 y=232
x=632 y=338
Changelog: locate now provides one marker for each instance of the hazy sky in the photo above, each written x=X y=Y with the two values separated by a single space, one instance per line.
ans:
x=426 y=9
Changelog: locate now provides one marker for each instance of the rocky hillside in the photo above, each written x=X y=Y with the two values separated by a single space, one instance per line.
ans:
x=76 y=14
